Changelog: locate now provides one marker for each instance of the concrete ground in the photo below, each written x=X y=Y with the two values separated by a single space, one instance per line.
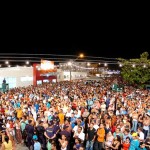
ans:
x=21 y=147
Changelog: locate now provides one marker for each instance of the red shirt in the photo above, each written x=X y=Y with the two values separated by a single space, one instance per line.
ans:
x=126 y=146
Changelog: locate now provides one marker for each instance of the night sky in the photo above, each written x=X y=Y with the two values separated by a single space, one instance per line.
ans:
x=92 y=50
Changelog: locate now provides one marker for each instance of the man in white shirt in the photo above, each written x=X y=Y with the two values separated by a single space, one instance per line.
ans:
x=103 y=106
x=79 y=134
x=141 y=134
x=69 y=112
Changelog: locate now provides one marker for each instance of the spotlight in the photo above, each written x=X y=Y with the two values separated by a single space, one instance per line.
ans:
x=105 y=64
x=27 y=62
x=120 y=65
x=6 y=62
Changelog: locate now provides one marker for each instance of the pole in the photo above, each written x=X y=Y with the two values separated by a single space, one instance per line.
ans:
x=70 y=73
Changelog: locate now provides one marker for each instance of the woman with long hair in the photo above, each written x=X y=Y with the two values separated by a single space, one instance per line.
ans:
x=63 y=142
x=18 y=131
x=109 y=140
x=116 y=144
x=7 y=144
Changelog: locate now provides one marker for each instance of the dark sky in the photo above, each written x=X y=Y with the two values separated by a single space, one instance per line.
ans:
x=92 y=50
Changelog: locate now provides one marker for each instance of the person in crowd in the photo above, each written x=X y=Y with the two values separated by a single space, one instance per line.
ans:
x=30 y=132
x=77 y=144
x=63 y=142
x=18 y=131
x=76 y=110
x=134 y=142
x=40 y=132
x=100 y=139
x=116 y=144
x=36 y=145
x=126 y=144
x=7 y=144
x=79 y=134
x=50 y=132
x=90 y=137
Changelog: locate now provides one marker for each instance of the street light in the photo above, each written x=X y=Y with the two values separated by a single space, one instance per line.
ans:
x=81 y=55
x=70 y=63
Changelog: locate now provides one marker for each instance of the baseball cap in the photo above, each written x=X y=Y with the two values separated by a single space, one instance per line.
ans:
x=35 y=137
x=134 y=134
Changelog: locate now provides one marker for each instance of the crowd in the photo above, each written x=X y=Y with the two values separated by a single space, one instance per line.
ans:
x=75 y=116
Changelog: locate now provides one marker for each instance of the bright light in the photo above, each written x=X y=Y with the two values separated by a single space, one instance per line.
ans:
x=133 y=65
x=105 y=64
x=99 y=63
x=144 y=66
x=38 y=68
x=88 y=64
x=17 y=66
x=47 y=65
x=27 y=62
x=69 y=63
x=6 y=62
x=9 y=66
x=81 y=55
x=120 y=65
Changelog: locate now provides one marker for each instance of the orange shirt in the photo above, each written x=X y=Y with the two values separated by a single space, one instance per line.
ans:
x=61 y=118
x=101 y=135
x=19 y=113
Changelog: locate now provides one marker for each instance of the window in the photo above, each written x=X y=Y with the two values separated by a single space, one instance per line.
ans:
x=53 y=80
x=45 y=81
x=10 y=81
x=39 y=82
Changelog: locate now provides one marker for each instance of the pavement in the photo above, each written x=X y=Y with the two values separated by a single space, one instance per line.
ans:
x=21 y=147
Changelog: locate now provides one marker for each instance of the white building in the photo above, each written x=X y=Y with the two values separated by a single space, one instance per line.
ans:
x=65 y=75
x=23 y=76
x=17 y=76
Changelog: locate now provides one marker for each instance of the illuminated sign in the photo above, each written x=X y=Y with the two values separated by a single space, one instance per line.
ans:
x=47 y=65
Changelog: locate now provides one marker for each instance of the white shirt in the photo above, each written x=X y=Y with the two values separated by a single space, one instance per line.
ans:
x=103 y=107
x=95 y=126
x=141 y=135
x=76 y=128
x=80 y=135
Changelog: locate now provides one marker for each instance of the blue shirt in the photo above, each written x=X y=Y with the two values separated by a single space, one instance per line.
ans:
x=36 y=107
x=48 y=105
x=37 y=146
x=134 y=145
x=50 y=132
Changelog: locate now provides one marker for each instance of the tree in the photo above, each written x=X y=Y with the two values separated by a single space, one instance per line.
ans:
x=136 y=71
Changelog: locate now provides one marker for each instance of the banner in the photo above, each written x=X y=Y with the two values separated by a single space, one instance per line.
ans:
x=47 y=66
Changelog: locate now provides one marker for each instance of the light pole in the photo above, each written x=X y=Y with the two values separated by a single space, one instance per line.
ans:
x=70 y=63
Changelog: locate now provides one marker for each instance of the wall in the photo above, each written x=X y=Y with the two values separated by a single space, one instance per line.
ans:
x=17 y=76
x=65 y=76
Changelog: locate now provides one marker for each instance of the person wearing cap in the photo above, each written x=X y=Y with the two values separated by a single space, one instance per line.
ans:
x=40 y=132
x=49 y=132
x=135 y=142
x=37 y=145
